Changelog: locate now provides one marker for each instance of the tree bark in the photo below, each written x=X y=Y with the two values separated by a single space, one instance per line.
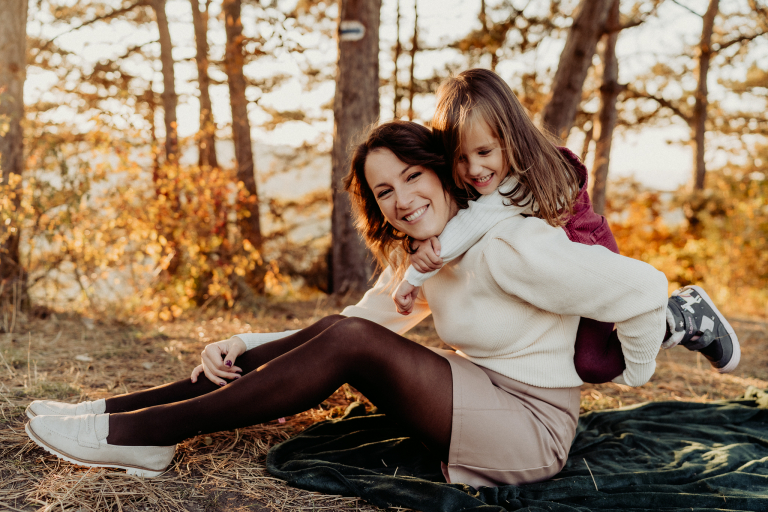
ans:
x=414 y=49
x=588 y=26
x=607 y=116
x=170 y=98
x=355 y=107
x=248 y=215
x=13 y=56
x=207 y=137
x=700 y=106
x=398 y=50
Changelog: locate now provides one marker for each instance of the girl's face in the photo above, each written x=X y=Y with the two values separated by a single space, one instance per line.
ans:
x=411 y=198
x=481 y=163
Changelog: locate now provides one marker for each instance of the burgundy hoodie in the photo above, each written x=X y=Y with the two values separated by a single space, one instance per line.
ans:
x=586 y=226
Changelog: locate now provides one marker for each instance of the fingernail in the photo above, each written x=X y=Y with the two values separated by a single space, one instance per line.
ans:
x=228 y=363
x=237 y=376
x=222 y=383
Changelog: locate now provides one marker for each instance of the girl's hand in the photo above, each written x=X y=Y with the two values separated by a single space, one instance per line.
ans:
x=404 y=297
x=219 y=361
x=427 y=256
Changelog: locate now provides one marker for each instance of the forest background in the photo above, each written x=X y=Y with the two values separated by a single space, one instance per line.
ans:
x=128 y=190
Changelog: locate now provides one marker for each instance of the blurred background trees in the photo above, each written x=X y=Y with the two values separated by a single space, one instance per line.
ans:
x=143 y=172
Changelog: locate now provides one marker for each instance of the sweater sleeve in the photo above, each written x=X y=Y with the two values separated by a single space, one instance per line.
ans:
x=466 y=228
x=536 y=262
x=376 y=306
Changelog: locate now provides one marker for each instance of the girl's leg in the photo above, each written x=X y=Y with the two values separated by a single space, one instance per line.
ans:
x=407 y=381
x=185 y=389
x=598 y=357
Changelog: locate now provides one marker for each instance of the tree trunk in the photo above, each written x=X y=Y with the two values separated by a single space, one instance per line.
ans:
x=588 y=25
x=398 y=50
x=248 y=216
x=700 y=107
x=170 y=99
x=414 y=49
x=13 y=56
x=207 y=137
x=606 y=119
x=355 y=107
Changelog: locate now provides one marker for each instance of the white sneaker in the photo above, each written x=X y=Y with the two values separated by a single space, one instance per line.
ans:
x=82 y=440
x=54 y=408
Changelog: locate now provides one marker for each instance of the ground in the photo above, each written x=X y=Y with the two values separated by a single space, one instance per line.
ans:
x=72 y=357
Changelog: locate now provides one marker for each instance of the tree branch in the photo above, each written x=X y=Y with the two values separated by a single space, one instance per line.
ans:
x=740 y=39
x=687 y=8
x=109 y=15
x=661 y=101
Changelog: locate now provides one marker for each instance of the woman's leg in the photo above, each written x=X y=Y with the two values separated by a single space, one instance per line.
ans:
x=598 y=357
x=186 y=389
x=407 y=381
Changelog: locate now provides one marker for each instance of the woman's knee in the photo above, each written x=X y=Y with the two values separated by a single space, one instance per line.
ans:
x=355 y=336
x=329 y=320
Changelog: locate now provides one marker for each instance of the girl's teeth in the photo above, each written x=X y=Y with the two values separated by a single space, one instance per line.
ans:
x=484 y=180
x=416 y=214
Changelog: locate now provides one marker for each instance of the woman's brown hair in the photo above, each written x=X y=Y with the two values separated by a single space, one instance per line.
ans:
x=545 y=179
x=414 y=145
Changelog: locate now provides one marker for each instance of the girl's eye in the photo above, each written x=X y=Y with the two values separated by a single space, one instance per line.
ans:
x=413 y=176
x=383 y=193
x=485 y=152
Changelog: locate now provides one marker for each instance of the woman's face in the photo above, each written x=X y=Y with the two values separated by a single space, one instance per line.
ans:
x=411 y=198
x=481 y=164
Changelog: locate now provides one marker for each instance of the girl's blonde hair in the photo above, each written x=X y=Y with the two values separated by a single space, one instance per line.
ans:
x=545 y=178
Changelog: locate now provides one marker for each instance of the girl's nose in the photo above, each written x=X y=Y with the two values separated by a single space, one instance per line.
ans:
x=475 y=168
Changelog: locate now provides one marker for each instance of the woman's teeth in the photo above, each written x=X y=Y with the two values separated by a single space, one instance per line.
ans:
x=484 y=179
x=415 y=215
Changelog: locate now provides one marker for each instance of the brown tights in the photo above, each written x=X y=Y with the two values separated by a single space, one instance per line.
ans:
x=405 y=380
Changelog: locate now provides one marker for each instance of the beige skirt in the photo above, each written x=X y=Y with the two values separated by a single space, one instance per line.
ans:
x=504 y=431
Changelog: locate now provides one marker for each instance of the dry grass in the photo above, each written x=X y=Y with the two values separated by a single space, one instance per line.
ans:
x=70 y=358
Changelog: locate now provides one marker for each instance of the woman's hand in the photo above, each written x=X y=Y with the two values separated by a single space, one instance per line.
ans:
x=427 y=256
x=219 y=361
x=404 y=297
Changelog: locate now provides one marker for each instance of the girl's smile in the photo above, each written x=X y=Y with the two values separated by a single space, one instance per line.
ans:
x=482 y=163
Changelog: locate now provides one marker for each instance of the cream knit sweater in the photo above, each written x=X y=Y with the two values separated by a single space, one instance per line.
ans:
x=512 y=304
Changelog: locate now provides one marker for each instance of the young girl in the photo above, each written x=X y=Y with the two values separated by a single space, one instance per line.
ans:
x=498 y=153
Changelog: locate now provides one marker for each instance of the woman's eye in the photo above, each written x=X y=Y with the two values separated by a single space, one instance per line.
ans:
x=383 y=193
x=485 y=152
x=414 y=176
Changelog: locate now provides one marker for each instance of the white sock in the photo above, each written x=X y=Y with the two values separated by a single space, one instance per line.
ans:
x=677 y=336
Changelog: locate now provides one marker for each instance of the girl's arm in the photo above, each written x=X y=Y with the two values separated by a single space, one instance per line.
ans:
x=536 y=262
x=468 y=226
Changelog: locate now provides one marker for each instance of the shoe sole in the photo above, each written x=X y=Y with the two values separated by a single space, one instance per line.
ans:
x=736 y=356
x=29 y=412
x=131 y=470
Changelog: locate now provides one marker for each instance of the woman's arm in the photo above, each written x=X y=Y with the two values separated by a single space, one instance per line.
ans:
x=468 y=226
x=539 y=264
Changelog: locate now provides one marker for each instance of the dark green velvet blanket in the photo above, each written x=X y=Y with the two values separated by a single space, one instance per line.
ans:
x=654 y=456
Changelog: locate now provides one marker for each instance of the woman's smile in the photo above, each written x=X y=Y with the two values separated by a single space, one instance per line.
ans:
x=411 y=197
x=416 y=215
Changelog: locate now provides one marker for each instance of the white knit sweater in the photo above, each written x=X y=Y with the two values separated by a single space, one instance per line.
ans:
x=512 y=304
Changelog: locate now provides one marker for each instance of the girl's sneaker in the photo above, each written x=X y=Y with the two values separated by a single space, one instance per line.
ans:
x=704 y=328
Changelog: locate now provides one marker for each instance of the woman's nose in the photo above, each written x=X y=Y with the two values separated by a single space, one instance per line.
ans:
x=403 y=199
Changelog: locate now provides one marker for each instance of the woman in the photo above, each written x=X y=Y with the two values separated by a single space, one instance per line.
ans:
x=503 y=410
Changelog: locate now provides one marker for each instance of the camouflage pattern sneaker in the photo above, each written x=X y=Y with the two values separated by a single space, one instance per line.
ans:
x=706 y=329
